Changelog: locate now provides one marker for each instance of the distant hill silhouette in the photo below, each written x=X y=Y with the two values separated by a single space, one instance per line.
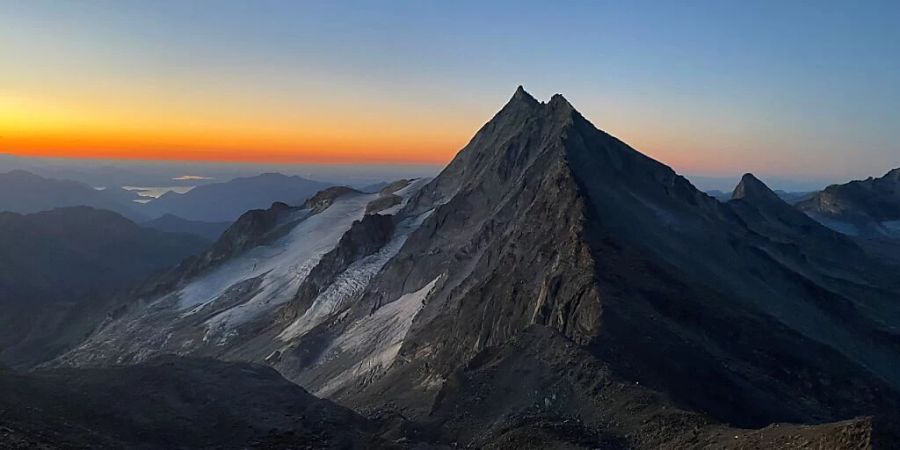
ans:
x=225 y=202
x=175 y=224
x=53 y=261
x=24 y=192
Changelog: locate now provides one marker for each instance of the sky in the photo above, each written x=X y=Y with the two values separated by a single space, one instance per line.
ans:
x=791 y=89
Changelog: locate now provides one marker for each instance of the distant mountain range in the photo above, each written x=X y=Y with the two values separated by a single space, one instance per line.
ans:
x=205 y=211
x=552 y=287
x=789 y=197
x=25 y=192
x=225 y=202
x=58 y=267
x=184 y=173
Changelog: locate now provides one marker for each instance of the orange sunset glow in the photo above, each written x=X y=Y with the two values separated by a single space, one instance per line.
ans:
x=53 y=129
x=201 y=84
x=159 y=124
x=231 y=148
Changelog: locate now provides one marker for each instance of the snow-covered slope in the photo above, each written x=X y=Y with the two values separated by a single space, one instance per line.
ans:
x=351 y=283
x=280 y=267
x=374 y=341
x=249 y=306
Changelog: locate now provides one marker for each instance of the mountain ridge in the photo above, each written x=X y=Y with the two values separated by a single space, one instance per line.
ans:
x=25 y=192
x=226 y=201
x=865 y=208
x=542 y=221
x=653 y=180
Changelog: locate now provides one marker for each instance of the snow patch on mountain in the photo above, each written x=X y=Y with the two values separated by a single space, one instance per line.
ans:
x=376 y=339
x=352 y=282
x=282 y=265
x=405 y=193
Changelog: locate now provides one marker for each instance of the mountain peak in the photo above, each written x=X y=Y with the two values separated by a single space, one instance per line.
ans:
x=752 y=189
x=522 y=96
x=522 y=101
x=560 y=102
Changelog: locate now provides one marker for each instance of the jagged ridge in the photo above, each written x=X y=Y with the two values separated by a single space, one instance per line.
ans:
x=543 y=220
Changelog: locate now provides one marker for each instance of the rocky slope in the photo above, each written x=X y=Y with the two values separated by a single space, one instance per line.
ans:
x=544 y=219
x=868 y=208
x=169 y=403
x=540 y=391
x=612 y=270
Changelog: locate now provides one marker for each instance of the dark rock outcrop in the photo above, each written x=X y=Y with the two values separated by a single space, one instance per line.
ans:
x=173 y=403
x=324 y=198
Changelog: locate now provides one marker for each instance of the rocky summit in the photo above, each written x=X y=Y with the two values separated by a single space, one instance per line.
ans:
x=552 y=287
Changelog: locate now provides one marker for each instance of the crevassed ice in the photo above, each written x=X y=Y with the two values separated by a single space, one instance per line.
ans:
x=377 y=337
x=351 y=283
x=283 y=265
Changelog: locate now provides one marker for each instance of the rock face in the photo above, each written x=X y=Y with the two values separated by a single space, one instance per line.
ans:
x=364 y=238
x=252 y=229
x=539 y=391
x=549 y=254
x=543 y=219
x=867 y=208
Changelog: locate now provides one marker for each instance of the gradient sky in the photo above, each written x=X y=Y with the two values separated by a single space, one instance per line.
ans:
x=780 y=88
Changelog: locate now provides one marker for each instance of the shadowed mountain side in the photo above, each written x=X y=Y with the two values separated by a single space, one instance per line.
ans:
x=170 y=403
x=544 y=219
x=866 y=208
x=540 y=391
x=174 y=224
x=58 y=267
